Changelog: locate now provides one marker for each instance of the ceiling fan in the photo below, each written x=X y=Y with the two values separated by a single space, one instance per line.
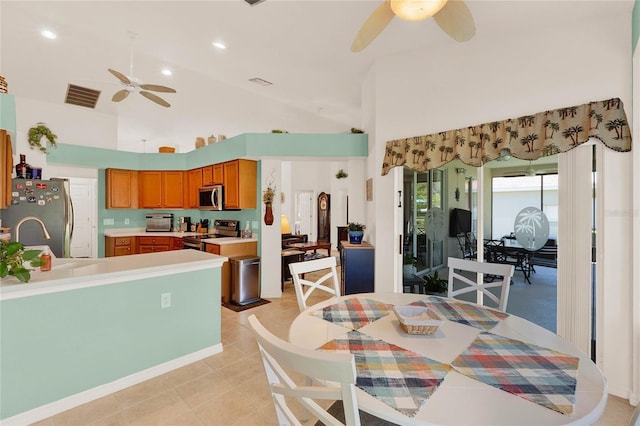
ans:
x=133 y=84
x=453 y=17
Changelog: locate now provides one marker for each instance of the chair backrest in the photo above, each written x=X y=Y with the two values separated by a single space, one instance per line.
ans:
x=338 y=368
x=635 y=417
x=304 y=287
x=502 y=272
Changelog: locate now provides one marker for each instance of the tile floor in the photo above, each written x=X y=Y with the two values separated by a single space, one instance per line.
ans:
x=225 y=389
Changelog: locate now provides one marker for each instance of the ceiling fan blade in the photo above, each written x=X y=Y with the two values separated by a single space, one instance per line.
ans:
x=373 y=26
x=155 y=98
x=456 y=20
x=123 y=78
x=120 y=95
x=156 y=88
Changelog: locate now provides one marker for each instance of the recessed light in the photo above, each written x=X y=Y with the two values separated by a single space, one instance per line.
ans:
x=219 y=45
x=48 y=34
x=166 y=71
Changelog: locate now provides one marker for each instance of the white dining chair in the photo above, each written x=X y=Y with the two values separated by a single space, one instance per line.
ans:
x=304 y=287
x=457 y=268
x=635 y=417
x=339 y=369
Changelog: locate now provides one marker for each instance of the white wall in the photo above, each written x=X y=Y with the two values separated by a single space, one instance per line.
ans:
x=456 y=85
x=72 y=124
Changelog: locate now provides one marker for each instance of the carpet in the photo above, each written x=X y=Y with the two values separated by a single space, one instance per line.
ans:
x=240 y=308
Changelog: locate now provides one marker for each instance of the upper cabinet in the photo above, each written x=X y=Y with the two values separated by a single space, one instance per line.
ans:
x=240 y=184
x=121 y=189
x=213 y=175
x=6 y=160
x=194 y=182
x=162 y=189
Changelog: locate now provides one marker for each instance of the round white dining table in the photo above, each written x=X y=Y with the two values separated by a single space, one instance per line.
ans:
x=460 y=400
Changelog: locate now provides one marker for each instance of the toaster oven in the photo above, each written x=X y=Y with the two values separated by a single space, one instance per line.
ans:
x=159 y=222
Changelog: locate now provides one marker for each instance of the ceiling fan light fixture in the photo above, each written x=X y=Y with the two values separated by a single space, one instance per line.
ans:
x=416 y=10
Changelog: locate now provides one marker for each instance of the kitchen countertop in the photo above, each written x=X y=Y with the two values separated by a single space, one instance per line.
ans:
x=75 y=273
x=140 y=232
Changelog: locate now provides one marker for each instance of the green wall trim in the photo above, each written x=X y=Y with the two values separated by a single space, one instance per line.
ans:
x=8 y=116
x=635 y=26
x=59 y=344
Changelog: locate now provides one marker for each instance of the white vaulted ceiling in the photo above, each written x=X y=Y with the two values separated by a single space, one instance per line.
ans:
x=301 y=46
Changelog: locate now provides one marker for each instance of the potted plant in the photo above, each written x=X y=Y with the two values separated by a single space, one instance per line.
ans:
x=37 y=132
x=356 y=231
x=434 y=284
x=12 y=258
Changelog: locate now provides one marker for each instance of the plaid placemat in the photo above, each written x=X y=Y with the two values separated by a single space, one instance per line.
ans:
x=353 y=313
x=534 y=373
x=398 y=377
x=464 y=313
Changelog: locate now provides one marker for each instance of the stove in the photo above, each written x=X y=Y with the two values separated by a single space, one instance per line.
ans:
x=221 y=228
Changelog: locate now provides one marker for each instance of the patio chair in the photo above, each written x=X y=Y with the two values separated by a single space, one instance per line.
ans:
x=337 y=368
x=304 y=287
x=457 y=267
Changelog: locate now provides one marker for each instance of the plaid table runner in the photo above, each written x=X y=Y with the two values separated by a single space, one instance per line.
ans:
x=464 y=313
x=534 y=373
x=353 y=313
x=398 y=377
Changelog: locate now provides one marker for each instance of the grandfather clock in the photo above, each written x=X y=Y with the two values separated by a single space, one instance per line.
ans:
x=324 y=217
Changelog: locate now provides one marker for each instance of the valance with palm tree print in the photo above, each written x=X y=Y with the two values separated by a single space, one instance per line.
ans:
x=528 y=137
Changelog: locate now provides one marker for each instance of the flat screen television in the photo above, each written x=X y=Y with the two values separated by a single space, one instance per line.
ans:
x=459 y=222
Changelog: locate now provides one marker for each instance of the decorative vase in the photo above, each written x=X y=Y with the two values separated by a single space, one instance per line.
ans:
x=268 y=215
x=355 y=237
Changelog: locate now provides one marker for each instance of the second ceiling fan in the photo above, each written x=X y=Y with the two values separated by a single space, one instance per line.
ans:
x=452 y=16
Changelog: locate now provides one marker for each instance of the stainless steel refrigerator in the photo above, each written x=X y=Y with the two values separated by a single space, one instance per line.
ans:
x=41 y=208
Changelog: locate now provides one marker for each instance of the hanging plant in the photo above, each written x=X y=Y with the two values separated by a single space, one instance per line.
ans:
x=37 y=132
x=341 y=174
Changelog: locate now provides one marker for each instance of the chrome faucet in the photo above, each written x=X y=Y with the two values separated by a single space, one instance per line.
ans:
x=28 y=218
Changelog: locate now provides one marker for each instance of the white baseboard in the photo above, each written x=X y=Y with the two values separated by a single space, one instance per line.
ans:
x=64 y=404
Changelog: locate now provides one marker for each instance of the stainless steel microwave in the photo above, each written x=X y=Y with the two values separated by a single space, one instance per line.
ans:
x=211 y=197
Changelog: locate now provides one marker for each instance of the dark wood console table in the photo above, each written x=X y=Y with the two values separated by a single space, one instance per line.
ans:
x=313 y=245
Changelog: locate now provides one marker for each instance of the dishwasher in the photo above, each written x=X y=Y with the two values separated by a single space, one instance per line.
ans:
x=245 y=279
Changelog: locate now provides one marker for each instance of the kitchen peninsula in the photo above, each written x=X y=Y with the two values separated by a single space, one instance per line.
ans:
x=90 y=327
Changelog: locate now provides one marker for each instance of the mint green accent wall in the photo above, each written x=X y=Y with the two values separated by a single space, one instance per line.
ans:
x=8 y=116
x=251 y=145
x=635 y=25
x=56 y=345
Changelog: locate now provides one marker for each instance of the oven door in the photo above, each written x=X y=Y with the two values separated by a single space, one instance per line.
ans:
x=191 y=245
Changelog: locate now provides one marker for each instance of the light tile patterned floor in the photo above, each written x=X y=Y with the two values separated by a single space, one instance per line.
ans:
x=225 y=389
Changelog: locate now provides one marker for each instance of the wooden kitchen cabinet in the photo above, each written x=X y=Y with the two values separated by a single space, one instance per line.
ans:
x=194 y=182
x=119 y=246
x=173 y=189
x=121 y=189
x=218 y=174
x=240 y=184
x=6 y=160
x=150 y=189
x=248 y=248
x=213 y=175
x=153 y=244
x=176 y=244
x=162 y=189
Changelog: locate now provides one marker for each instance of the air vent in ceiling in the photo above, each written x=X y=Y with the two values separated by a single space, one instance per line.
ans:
x=81 y=96
x=253 y=2
x=260 y=81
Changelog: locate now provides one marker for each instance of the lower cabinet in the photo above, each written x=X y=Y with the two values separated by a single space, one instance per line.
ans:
x=119 y=246
x=248 y=248
x=154 y=244
x=122 y=246
x=357 y=264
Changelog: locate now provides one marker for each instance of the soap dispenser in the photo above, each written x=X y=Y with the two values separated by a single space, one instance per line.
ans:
x=247 y=231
